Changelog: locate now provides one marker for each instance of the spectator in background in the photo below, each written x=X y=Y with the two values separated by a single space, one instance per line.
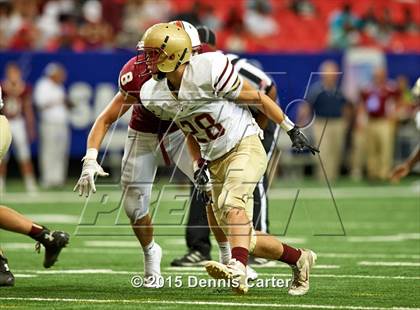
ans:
x=303 y=7
x=210 y=19
x=50 y=99
x=378 y=104
x=408 y=24
x=343 y=28
x=5 y=10
x=22 y=28
x=234 y=26
x=95 y=32
x=49 y=22
x=330 y=110
x=258 y=20
x=192 y=16
x=18 y=110
x=138 y=16
x=68 y=37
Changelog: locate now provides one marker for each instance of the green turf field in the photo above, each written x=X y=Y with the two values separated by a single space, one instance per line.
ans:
x=368 y=260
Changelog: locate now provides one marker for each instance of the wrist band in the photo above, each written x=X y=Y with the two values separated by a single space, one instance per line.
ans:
x=287 y=124
x=91 y=153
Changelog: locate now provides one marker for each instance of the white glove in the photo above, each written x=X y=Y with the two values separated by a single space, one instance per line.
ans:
x=86 y=182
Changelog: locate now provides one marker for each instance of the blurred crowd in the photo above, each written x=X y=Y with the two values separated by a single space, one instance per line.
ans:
x=241 y=25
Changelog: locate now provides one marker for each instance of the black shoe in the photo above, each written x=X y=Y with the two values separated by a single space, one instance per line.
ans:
x=260 y=262
x=54 y=242
x=6 y=277
x=191 y=259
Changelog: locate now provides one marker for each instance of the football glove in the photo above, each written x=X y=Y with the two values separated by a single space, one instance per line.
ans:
x=86 y=182
x=299 y=141
x=202 y=176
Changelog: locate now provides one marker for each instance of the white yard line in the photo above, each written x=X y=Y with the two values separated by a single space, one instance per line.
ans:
x=368 y=255
x=112 y=244
x=22 y=275
x=276 y=193
x=203 y=303
x=54 y=218
x=389 y=238
x=389 y=264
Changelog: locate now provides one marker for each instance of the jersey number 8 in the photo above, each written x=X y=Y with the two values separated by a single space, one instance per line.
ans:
x=126 y=78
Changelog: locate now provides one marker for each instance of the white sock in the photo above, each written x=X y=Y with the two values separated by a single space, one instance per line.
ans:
x=147 y=249
x=30 y=183
x=224 y=252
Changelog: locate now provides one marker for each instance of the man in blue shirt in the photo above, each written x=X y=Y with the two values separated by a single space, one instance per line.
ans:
x=328 y=105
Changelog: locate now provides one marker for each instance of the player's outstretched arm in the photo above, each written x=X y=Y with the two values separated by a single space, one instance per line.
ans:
x=404 y=169
x=113 y=111
x=266 y=105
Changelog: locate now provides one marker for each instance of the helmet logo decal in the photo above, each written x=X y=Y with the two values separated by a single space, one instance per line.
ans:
x=181 y=58
x=164 y=43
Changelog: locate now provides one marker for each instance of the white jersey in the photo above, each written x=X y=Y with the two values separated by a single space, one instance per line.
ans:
x=205 y=106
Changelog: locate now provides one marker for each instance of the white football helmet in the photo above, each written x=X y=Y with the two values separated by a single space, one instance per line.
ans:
x=192 y=33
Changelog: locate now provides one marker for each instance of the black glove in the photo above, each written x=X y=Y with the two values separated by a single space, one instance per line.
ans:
x=299 y=140
x=202 y=180
x=202 y=175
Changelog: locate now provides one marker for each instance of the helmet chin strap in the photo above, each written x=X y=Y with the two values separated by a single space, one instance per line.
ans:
x=159 y=76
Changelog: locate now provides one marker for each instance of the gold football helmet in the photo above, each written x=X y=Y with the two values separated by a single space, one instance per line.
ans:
x=166 y=47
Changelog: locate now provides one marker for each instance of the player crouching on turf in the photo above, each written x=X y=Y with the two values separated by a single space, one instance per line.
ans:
x=53 y=241
x=205 y=97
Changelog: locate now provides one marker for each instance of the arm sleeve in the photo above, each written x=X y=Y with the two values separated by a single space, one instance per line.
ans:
x=226 y=82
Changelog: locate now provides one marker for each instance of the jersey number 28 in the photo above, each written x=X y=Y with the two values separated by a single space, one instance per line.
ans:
x=204 y=122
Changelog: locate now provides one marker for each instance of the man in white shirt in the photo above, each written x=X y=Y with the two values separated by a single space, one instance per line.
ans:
x=50 y=99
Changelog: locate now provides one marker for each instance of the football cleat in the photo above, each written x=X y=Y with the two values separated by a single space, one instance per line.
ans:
x=234 y=272
x=191 y=259
x=6 y=276
x=152 y=276
x=53 y=242
x=300 y=279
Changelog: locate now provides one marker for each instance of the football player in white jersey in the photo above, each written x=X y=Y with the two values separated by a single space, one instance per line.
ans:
x=197 y=232
x=208 y=100
x=53 y=241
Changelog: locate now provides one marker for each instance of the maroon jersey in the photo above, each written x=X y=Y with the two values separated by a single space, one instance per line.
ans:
x=130 y=81
x=378 y=100
x=14 y=97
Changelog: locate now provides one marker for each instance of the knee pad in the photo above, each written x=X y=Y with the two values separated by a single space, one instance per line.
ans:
x=136 y=199
x=253 y=241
